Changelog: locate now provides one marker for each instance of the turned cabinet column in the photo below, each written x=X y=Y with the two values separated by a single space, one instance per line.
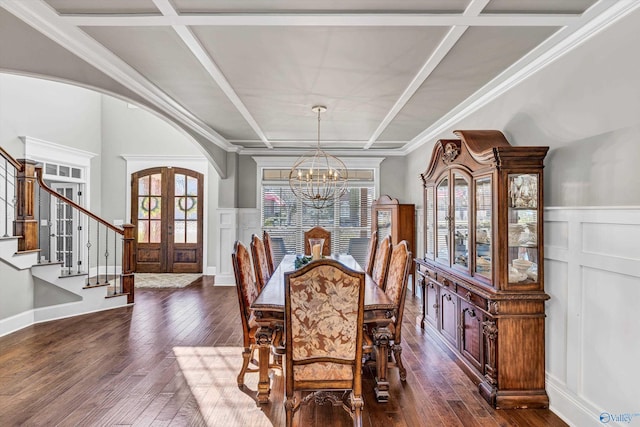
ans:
x=25 y=225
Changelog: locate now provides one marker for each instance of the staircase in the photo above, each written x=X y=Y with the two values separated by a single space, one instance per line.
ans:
x=96 y=267
x=78 y=297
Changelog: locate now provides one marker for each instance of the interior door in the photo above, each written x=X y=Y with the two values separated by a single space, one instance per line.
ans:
x=65 y=227
x=167 y=211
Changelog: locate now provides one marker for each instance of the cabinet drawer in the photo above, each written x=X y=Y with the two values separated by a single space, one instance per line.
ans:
x=426 y=271
x=471 y=297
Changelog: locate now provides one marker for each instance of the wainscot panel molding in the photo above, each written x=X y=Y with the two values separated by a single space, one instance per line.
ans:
x=592 y=268
x=227 y=226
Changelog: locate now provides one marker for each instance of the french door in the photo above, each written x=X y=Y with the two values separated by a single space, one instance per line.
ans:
x=65 y=227
x=167 y=211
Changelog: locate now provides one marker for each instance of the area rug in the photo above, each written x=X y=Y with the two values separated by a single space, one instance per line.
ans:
x=211 y=373
x=164 y=280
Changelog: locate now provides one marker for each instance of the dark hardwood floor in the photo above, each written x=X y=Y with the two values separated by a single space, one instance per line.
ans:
x=118 y=367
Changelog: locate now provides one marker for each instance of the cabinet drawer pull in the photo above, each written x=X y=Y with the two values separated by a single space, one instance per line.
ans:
x=472 y=313
x=447 y=297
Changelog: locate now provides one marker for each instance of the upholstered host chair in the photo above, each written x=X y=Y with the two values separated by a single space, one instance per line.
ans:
x=268 y=250
x=396 y=290
x=381 y=263
x=371 y=253
x=318 y=233
x=324 y=305
x=247 y=293
x=260 y=263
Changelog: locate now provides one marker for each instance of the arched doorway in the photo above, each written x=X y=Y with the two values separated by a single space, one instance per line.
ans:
x=166 y=207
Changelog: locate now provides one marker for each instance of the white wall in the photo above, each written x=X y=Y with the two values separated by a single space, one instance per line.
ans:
x=585 y=106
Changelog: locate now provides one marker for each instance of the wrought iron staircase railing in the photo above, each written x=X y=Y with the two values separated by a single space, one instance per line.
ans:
x=64 y=232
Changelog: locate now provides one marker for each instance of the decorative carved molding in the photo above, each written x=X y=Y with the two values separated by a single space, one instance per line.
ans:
x=451 y=151
x=491 y=333
x=494 y=307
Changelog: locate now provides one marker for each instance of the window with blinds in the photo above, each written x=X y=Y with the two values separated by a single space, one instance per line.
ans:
x=285 y=218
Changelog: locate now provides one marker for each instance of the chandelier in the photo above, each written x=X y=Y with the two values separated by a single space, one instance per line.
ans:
x=317 y=178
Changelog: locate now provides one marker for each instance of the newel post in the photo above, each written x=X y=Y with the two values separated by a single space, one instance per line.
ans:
x=25 y=225
x=129 y=261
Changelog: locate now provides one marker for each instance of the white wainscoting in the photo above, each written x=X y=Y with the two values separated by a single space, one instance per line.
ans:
x=227 y=225
x=592 y=273
x=233 y=224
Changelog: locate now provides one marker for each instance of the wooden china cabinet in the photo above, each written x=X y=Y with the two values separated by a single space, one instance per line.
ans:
x=397 y=220
x=482 y=274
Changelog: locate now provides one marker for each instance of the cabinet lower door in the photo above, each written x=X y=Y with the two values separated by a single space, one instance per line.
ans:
x=471 y=336
x=431 y=303
x=448 y=315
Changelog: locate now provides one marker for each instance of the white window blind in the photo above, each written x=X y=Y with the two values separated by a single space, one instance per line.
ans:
x=285 y=218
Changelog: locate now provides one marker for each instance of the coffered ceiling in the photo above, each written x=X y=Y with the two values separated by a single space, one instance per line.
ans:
x=244 y=74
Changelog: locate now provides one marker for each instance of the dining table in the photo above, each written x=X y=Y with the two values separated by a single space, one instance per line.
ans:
x=268 y=311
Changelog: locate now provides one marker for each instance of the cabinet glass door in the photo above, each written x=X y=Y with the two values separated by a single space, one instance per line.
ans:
x=442 y=220
x=461 y=220
x=430 y=231
x=383 y=221
x=483 y=227
x=523 y=228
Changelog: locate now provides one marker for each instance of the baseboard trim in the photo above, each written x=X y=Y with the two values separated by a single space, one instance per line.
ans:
x=225 y=280
x=571 y=408
x=17 y=322
x=28 y=318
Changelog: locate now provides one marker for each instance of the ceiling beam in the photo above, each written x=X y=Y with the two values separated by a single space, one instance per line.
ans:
x=44 y=19
x=210 y=66
x=447 y=43
x=328 y=19
x=595 y=19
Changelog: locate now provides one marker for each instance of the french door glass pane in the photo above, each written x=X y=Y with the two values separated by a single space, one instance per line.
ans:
x=192 y=186
x=155 y=232
x=180 y=185
x=192 y=232
x=143 y=231
x=178 y=232
x=144 y=186
x=156 y=184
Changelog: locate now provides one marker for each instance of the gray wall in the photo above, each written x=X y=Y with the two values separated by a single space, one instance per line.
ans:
x=136 y=131
x=585 y=106
x=53 y=112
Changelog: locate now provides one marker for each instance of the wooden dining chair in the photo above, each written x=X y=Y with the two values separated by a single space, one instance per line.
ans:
x=268 y=250
x=371 y=253
x=324 y=306
x=260 y=264
x=381 y=264
x=247 y=293
x=318 y=233
x=396 y=290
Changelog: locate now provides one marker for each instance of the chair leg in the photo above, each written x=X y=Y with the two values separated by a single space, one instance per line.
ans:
x=289 y=404
x=246 y=358
x=397 y=354
x=357 y=404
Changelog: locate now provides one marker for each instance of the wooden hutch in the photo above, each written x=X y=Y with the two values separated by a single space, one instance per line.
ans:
x=482 y=274
x=397 y=220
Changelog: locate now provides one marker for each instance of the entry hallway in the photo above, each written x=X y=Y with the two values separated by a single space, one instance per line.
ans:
x=124 y=367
